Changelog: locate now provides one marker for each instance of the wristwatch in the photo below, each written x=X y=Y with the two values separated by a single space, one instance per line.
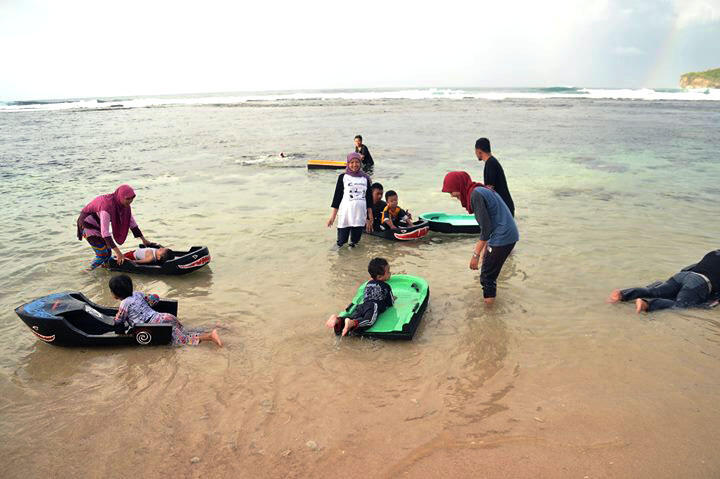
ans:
x=475 y=255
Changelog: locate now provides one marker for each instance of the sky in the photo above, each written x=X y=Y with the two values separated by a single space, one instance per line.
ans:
x=83 y=48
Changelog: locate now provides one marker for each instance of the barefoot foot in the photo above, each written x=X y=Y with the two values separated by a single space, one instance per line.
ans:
x=215 y=338
x=641 y=306
x=489 y=301
x=615 y=296
x=349 y=324
x=332 y=321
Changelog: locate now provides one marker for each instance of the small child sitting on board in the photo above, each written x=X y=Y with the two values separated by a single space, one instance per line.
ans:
x=136 y=307
x=393 y=216
x=149 y=255
x=377 y=298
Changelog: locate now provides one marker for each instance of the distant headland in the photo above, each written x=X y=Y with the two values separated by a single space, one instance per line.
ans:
x=706 y=79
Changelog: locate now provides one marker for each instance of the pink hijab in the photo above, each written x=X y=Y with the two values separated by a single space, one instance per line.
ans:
x=111 y=203
x=358 y=173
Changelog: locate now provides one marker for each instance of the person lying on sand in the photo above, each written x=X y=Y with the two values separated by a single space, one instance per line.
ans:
x=693 y=286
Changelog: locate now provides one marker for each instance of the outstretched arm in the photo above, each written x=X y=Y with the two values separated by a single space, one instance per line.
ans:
x=118 y=255
x=122 y=314
x=136 y=231
x=483 y=218
x=478 y=253
x=369 y=221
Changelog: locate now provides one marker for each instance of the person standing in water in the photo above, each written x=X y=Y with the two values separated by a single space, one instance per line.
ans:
x=366 y=157
x=498 y=233
x=352 y=203
x=493 y=174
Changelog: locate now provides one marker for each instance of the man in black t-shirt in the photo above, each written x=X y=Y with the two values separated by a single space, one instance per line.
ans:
x=367 y=159
x=494 y=176
x=698 y=284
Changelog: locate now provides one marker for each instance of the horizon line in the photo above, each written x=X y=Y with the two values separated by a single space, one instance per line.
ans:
x=330 y=89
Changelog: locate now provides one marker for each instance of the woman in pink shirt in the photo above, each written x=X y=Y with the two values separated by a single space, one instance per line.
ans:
x=102 y=214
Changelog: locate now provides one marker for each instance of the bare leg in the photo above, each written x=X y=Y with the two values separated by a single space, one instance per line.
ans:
x=615 y=296
x=332 y=321
x=349 y=324
x=489 y=301
x=641 y=306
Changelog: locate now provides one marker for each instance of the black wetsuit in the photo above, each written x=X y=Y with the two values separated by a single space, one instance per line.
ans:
x=367 y=161
x=695 y=285
x=377 y=298
x=709 y=266
x=495 y=176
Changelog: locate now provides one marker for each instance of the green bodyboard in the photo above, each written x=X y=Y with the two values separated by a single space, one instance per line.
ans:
x=445 y=223
x=457 y=220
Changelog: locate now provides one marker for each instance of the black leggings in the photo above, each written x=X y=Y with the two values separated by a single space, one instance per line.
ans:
x=493 y=261
x=685 y=289
x=353 y=232
x=366 y=314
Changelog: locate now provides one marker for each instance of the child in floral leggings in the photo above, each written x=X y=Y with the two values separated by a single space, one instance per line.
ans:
x=136 y=307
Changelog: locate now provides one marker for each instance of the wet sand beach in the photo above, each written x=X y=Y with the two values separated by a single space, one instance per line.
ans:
x=551 y=382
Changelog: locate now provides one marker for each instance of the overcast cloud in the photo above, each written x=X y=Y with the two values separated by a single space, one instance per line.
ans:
x=83 y=48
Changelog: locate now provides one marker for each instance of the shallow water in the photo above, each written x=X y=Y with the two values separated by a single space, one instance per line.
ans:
x=551 y=382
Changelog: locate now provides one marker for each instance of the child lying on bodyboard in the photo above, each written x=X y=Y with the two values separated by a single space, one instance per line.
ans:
x=377 y=298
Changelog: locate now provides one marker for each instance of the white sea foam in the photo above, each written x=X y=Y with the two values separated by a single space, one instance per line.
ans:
x=645 y=94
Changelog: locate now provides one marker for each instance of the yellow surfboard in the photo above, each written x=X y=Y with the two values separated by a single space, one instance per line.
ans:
x=325 y=164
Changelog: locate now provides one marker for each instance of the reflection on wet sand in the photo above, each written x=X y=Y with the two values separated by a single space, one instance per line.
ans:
x=483 y=351
x=196 y=285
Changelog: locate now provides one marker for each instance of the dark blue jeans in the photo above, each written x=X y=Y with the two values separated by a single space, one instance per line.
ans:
x=685 y=289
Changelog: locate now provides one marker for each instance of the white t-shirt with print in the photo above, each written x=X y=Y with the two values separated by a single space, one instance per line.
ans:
x=353 y=207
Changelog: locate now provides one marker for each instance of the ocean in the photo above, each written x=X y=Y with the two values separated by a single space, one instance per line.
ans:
x=368 y=94
x=612 y=188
